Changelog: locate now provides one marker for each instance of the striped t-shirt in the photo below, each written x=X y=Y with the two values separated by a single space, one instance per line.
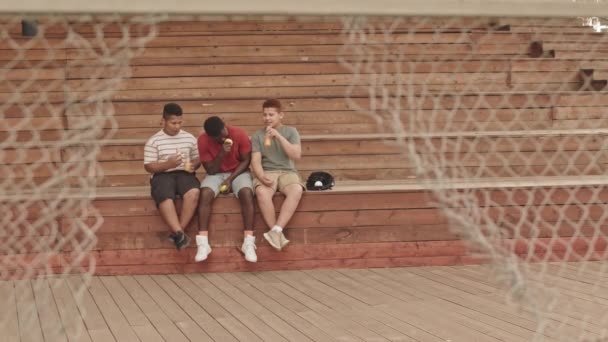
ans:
x=161 y=146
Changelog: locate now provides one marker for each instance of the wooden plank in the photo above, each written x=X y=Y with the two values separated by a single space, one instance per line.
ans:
x=337 y=235
x=457 y=119
x=361 y=90
x=318 y=80
x=29 y=323
x=71 y=318
x=332 y=308
x=193 y=309
x=568 y=330
x=337 y=219
x=247 y=326
x=515 y=332
x=145 y=133
x=154 y=313
x=437 y=102
x=589 y=46
x=580 y=113
x=95 y=323
x=186 y=69
x=363 y=299
x=32 y=135
x=542 y=77
x=42 y=56
x=32 y=85
x=272 y=320
x=397 y=304
x=354 y=56
x=311 y=309
x=28 y=155
x=324 y=38
x=50 y=321
x=187 y=325
x=131 y=150
x=19 y=110
x=9 y=323
x=284 y=50
x=456 y=329
x=32 y=123
x=574 y=296
x=393 y=289
x=129 y=308
x=245 y=120
x=451 y=324
x=296 y=252
x=274 y=306
x=214 y=318
x=113 y=202
x=509 y=160
x=591 y=99
x=232 y=324
x=366 y=218
x=242 y=266
x=490 y=306
x=51 y=72
x=142 y=205
x=147 y=333
x=226 y=24
x=333 y=250
x=111 y=312
x=595 y=54
x=553 y=65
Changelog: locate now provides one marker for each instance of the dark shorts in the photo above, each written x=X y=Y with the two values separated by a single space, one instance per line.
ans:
x=170 y=184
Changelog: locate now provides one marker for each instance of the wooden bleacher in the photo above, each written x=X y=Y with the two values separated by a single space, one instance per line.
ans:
x=377 y=215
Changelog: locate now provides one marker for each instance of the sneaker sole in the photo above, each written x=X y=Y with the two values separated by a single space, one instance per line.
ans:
x=206 y=257
x=278 y=248
x=185 y=244
x=241 y=251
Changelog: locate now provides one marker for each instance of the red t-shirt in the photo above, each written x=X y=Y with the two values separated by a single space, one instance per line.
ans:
x=208 y=148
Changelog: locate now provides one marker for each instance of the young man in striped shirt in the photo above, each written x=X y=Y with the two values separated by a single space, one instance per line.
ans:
x=171 y=156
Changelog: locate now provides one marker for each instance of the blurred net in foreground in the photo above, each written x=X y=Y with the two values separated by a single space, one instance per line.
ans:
x=51 y=128
x=505 y=123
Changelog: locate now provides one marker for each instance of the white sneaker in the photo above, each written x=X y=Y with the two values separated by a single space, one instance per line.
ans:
x=203 y=248
x=274 y=239
x=249 y=248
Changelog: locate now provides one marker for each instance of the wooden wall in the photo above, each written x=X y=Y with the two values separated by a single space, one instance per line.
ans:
x=507 y=98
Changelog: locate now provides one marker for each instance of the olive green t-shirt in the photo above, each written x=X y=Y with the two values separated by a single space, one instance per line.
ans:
x=274 y=157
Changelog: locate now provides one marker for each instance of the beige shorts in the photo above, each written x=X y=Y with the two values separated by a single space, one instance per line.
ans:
x=281 y=179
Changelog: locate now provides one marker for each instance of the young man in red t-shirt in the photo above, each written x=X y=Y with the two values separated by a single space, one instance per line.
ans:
x=225 y=152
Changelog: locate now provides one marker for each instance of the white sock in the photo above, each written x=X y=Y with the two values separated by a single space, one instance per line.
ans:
x=277 y=229
x=203 y=239
x=250 y=237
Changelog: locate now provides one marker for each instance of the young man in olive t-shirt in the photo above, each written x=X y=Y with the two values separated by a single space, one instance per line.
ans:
x=274 y=149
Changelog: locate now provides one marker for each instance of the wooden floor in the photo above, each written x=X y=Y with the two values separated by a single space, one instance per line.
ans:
x=458 y=303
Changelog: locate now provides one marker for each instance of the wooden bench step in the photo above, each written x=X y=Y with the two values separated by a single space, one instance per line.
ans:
x=392 y=223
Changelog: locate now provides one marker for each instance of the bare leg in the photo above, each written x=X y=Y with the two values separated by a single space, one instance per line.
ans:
x=293 y=193
x=169 y=214
x=189 y=204
x=247 y=209
x=264 y=195
x=204 y=210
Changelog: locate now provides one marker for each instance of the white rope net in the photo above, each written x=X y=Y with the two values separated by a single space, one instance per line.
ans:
x=52 y=124
x=505 y=120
